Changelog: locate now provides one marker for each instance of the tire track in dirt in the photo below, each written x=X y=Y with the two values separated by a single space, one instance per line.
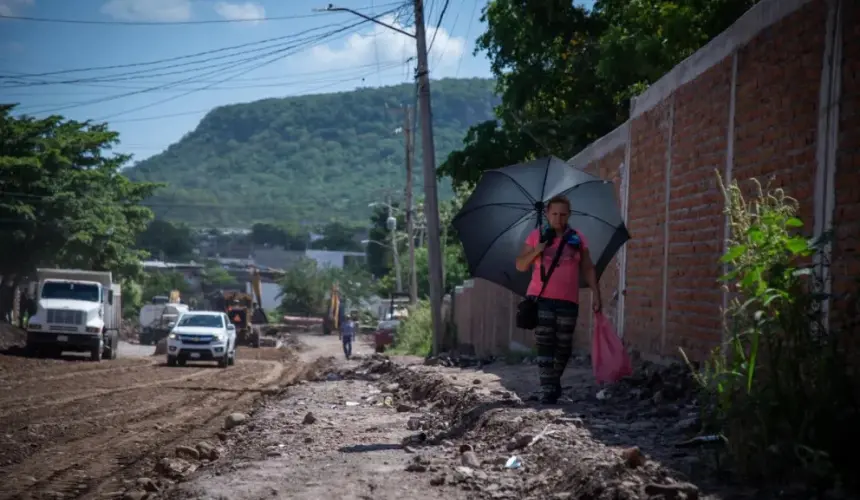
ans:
x=94 y=459
x=51 y=400
x=83 y=418
x=44 y=375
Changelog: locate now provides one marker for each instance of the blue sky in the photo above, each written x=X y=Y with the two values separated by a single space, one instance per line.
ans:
x=362 y=56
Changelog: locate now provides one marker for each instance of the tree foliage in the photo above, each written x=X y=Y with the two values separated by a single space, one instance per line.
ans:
x=312 y=158
x=287 y=236
x=339 y=236
x=304 y=288
x=566 y=73
x=63 y=201
x=167 y=241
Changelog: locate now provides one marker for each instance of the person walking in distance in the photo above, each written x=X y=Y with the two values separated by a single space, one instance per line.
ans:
x=558 y=305
x=347 y=334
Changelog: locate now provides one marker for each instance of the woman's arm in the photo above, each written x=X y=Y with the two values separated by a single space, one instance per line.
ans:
x=586 y=267
x=528 y=255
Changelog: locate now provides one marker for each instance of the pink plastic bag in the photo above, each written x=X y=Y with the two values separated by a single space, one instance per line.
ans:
x=609 y=360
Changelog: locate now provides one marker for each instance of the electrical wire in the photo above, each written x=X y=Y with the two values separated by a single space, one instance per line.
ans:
x=468 y=32
x=278 y=54
x=438 y=24
x=169 y=23
x=135 y=75
x=280 y=78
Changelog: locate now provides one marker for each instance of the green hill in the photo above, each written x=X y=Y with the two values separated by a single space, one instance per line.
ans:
x=305 y=159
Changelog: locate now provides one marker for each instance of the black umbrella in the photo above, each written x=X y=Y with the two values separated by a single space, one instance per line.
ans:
x=508 y=203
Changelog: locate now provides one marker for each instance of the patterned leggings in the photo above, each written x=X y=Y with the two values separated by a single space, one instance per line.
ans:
x=554 y=341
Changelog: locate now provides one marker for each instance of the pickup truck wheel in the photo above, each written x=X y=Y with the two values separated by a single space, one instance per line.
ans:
x=180 y=362
x=232 y=359
x=31 y=351
x=171 y=360
x=224 y=361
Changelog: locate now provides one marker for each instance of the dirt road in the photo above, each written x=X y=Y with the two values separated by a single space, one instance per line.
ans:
x=75 y=429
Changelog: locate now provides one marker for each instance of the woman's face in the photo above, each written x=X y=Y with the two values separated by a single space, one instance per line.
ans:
x=557 y=214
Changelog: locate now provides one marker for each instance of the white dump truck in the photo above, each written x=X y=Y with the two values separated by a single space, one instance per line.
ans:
x=78 y=311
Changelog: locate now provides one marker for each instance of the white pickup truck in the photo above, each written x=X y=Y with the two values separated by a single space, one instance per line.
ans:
x=77 y=311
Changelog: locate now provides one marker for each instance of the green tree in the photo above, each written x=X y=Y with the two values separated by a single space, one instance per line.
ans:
x=167 y=241
x=162 y=283
x=379 y=258
x=288 y=236
x=566 y=73
x=304 y=288
x=64 y=201
x=214 y=276
x=338 y=236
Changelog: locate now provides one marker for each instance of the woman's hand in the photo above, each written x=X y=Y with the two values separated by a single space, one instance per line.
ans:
x=596 y=303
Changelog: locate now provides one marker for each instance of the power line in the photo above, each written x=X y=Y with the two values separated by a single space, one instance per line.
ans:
x=136 y=74
x=438 y=24
x=468 y=32
x=216 y=85
x=255 y=79
x=167 y=23
x=315 y=89
x=279 y=54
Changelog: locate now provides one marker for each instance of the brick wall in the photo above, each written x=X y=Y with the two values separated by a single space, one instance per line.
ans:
x=760 y=101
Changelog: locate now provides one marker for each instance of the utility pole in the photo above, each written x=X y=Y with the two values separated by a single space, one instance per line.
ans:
x=410 y=210
x=431 y=201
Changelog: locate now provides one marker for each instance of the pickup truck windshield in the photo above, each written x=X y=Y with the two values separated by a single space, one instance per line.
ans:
x=201 y=320
x=70 y=291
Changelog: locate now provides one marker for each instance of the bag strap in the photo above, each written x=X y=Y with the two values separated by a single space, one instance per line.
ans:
x=545 y=275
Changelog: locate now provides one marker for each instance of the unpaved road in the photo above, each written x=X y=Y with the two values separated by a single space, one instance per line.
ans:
x=76 y=429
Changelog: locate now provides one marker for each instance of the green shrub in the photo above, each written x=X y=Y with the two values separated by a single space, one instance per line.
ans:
x=779 y=390
x=415 y=333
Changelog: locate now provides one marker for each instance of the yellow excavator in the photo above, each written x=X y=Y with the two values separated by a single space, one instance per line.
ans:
x=243 y=312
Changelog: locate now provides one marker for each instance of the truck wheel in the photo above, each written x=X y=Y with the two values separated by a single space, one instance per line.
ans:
x=224 y=361
x=96 y=354
x=171 y=360
x=114 y=345
x=31 y=351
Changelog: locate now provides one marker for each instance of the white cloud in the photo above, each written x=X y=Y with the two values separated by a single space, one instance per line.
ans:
x=12 y=7
x=386 y=46
x=148 y=10
x=240 y=11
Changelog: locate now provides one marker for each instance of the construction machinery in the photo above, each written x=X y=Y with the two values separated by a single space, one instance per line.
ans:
x=156 y=318
x=239 y=307
x=335 y=315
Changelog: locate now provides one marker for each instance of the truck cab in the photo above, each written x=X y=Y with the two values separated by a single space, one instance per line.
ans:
x=76 y=311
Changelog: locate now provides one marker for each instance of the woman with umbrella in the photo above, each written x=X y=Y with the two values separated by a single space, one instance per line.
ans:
x=504 y=209
x=558 y=256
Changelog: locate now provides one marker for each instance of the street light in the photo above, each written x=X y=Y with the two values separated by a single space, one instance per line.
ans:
x=391 y=225
x=394 y=252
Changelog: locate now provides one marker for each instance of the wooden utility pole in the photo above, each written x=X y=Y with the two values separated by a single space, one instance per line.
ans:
x=410 y=209
x=431 y=200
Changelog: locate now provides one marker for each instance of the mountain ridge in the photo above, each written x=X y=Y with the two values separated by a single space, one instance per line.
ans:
x=305 y=159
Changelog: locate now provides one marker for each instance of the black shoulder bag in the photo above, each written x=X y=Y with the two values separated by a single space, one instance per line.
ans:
x=527 y=310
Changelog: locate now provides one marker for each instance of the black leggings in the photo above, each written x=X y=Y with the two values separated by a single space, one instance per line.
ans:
x=554 y=340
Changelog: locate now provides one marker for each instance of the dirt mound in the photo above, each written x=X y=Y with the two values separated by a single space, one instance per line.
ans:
x=11 y=337
x=519 y=449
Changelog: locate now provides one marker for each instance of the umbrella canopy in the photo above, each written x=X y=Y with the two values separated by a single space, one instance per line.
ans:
x=508 y=203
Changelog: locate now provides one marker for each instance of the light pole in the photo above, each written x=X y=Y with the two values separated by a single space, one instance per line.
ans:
x=431 y=200
x=391 y=225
